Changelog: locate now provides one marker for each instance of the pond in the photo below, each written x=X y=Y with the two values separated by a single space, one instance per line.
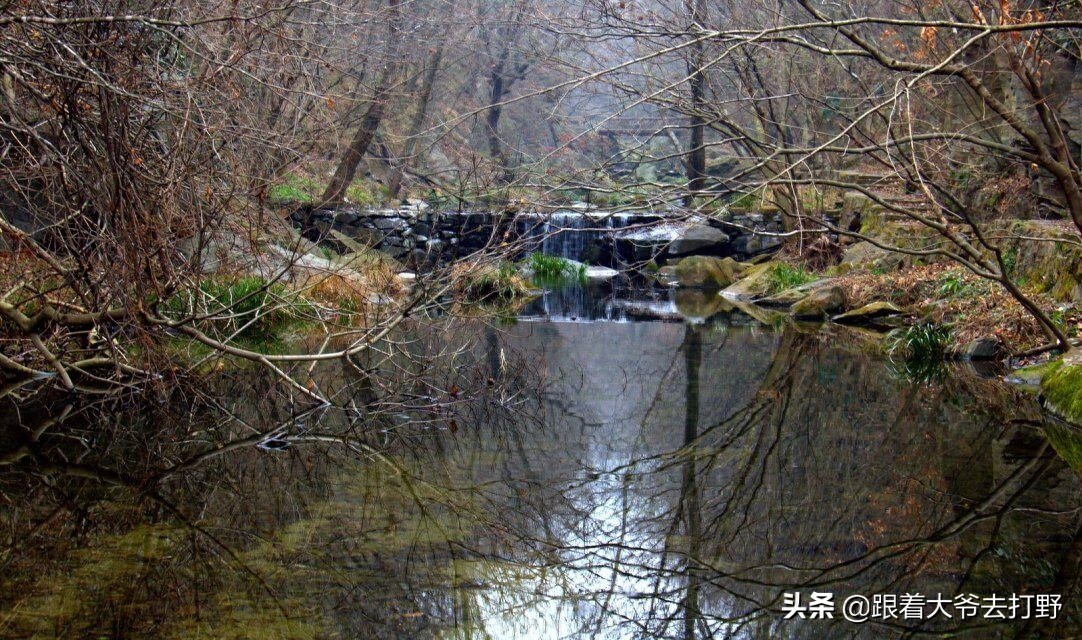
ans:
x=561 y=476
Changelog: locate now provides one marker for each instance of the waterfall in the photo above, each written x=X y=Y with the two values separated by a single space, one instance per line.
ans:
x=579 y=236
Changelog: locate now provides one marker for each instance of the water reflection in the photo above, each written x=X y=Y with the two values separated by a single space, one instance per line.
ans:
x=549 y=480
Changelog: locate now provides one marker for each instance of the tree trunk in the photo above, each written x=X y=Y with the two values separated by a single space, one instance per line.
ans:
x=498 y=89
x=423 y=99
x=347 y=167
x=695 y=164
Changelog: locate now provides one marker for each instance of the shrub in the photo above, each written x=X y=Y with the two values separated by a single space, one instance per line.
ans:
x=489 y=282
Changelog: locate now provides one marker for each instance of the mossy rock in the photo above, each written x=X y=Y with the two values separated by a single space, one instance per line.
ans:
x=1067 y=442
x=820 y=303
x=865 y=255
x=1061 y=387
x=666 y=276
x=1030 y=378
x=753 y=283
x=869 y=314
x=1045 y=258
x=707 y=272
x=793 y=295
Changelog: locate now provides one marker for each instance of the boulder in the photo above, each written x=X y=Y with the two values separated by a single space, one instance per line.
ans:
x=707 y=272
x=986 y=348
x=820 y=303
x=698 y=238
x=754 y=243
x=666 y=276
x=865 y=255
x=789 y=297
x=869 y=314
x=754 y=282
x=1061 y=387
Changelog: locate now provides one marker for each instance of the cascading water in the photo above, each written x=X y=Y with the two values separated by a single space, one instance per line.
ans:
x=579 y=236
x=584 y=237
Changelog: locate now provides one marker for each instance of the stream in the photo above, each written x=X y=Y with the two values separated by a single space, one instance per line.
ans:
x=599 y=468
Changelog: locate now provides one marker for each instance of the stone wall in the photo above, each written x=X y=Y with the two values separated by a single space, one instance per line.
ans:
x=416 y=234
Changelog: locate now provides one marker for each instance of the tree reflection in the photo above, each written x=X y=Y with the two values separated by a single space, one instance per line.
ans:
x=532 y=483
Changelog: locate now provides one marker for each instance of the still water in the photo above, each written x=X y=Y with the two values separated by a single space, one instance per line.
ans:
x=556 y=477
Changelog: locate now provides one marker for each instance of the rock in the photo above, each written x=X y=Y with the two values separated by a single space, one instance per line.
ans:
x=820 y=303
x=866 y=255
x=1061 y=387
x=346 y=217
x=706 y=272
x=987 y=348
x=752 y=244
x=699 y=238
x=666 y=276
x=869 y=313
x=789 y=297
x=388 y=224
x=754 y=282
x=594 y=272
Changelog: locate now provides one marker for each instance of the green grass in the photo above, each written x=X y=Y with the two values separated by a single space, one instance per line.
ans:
x=367 y=195
x=554 y=271
x=744 y=201
x=295 y=189
x=248 y=304
x=785 y=276
x=923 y=341
x=919 y=352
x=953 y=285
